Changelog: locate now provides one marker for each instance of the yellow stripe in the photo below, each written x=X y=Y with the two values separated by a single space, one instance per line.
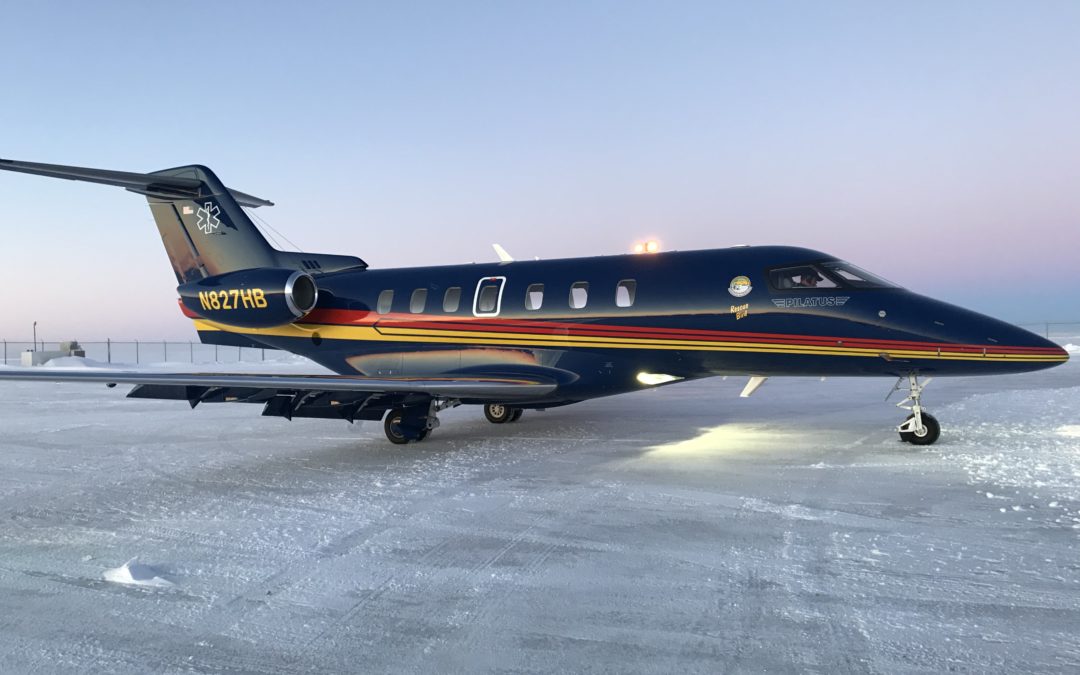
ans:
x=707 y=345
x=391 y=334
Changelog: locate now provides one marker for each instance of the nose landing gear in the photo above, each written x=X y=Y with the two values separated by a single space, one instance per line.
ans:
x=920 y=428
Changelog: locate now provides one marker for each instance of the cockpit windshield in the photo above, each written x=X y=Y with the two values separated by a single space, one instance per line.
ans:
x=801 y=277
x=823 y=276
x=856 y=276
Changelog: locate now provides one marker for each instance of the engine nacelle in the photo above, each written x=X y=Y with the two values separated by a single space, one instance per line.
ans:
x=256 y=298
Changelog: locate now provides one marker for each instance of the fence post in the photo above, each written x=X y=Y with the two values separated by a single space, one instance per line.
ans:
x=239 y=354
x=264 y=354
x=136 y=352
x=108 y=350
x=215 y=354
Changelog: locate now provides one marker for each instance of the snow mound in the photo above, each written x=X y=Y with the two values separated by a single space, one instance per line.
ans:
x=1072 y=349
x=74 y=362
x=132 y=573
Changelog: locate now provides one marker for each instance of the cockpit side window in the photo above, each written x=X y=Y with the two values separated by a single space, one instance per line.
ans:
x=854 y=276
x=801 y=278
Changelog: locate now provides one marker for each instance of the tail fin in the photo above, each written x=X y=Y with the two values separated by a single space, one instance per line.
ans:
x=202 y=224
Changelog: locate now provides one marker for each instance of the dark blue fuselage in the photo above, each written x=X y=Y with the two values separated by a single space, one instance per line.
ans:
x=605 y=325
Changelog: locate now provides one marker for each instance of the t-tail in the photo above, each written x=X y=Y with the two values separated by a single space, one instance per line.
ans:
x=202 y=223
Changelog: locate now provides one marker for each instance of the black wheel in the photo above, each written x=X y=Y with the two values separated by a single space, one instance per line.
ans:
x=497 y=413
x=392 y=426
x=931 y=431
x=518 y=412
x=395 y=432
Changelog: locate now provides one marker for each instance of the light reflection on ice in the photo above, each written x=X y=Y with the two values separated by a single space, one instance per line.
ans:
x=729 y=439
x=1069 y=430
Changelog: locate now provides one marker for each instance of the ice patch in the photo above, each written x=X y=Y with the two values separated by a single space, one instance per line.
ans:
x=132 y=573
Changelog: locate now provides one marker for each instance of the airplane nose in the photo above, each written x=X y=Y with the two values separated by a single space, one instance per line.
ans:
x=1008 y=334
x=1007 y=343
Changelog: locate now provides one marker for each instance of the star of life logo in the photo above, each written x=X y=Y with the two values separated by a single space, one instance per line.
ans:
x=208 y=217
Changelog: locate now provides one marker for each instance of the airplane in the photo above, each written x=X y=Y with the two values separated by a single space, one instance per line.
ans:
x=517 y=335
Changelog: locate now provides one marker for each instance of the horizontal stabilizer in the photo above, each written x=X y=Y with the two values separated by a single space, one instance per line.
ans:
x=161 y=185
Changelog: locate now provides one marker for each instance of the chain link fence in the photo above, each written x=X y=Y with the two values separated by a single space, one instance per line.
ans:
x=147 y=352
x=1062 y=332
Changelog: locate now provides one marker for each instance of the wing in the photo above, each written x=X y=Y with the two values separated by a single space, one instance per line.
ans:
x=324 y=396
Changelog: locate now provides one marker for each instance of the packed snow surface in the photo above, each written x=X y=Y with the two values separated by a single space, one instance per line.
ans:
x=680 y=529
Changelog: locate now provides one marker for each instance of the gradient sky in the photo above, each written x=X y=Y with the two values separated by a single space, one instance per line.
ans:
x=936 y=143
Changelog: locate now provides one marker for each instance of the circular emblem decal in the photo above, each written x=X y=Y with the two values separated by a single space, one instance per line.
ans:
x=740 y=286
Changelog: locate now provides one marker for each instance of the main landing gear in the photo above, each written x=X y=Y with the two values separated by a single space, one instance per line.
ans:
x=920 y=428
x=414 y=423
x=499 y=413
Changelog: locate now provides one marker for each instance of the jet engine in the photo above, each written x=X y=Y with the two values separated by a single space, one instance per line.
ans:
x=255 y=298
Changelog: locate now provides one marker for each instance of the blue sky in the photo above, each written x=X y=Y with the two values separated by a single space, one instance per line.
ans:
x=936 y=143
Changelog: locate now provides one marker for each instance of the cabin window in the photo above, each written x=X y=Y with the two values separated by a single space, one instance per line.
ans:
x=418 y=301
x=579 y=295
x=386 y=300
x=451 y=299
x=488 y=299
x=534 y=296
x=801 y=278
x=625 y=292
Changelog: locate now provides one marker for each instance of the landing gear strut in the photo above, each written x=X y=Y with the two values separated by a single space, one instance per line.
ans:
x=920 y=428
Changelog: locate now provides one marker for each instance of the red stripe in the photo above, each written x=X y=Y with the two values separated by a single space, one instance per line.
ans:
x=344 y=317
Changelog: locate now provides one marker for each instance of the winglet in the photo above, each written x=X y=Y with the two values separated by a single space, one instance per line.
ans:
x=501 y=252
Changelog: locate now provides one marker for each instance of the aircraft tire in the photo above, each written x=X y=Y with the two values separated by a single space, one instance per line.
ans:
x=399 y=433
x=933 y=431
x=498 y=413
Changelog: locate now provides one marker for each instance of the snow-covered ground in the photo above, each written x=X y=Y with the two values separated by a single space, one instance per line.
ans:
x=676 y=530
